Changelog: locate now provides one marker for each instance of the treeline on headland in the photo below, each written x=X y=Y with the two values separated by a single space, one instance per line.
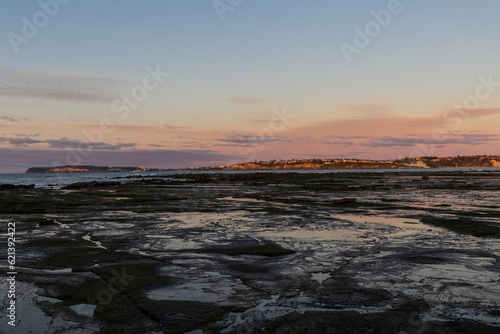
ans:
x=421 y=162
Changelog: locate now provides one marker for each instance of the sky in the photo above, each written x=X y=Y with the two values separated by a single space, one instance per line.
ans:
x=206 y=83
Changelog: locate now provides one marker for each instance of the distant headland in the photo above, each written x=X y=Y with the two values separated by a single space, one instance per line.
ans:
x=333 y=163
x=87 y=169
x=422 y=162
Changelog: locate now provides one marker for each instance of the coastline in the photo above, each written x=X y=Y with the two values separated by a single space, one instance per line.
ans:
x=241 y=251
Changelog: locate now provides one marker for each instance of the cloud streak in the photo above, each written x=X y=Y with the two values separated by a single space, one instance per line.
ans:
x=67 y=88
x=471 y=112
x=19 y=141
x=472 y=139
x=339 y=142
x=66 y=144
x=377 y=125
x=75 y=144
x=251 y=140
x=173 y=127
x=10 y=118
x=21 y=159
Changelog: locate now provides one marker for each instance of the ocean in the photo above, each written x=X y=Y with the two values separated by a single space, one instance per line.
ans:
x=61 y=179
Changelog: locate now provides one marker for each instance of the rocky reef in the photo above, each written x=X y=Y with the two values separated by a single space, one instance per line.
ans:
x=259 y=253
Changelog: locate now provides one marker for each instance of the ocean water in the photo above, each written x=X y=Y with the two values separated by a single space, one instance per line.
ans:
x=61 y=179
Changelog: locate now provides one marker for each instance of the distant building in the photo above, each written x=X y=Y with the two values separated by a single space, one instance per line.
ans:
x=419 y=164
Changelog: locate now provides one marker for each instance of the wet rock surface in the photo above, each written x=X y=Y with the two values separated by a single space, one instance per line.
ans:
x=260 y=253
